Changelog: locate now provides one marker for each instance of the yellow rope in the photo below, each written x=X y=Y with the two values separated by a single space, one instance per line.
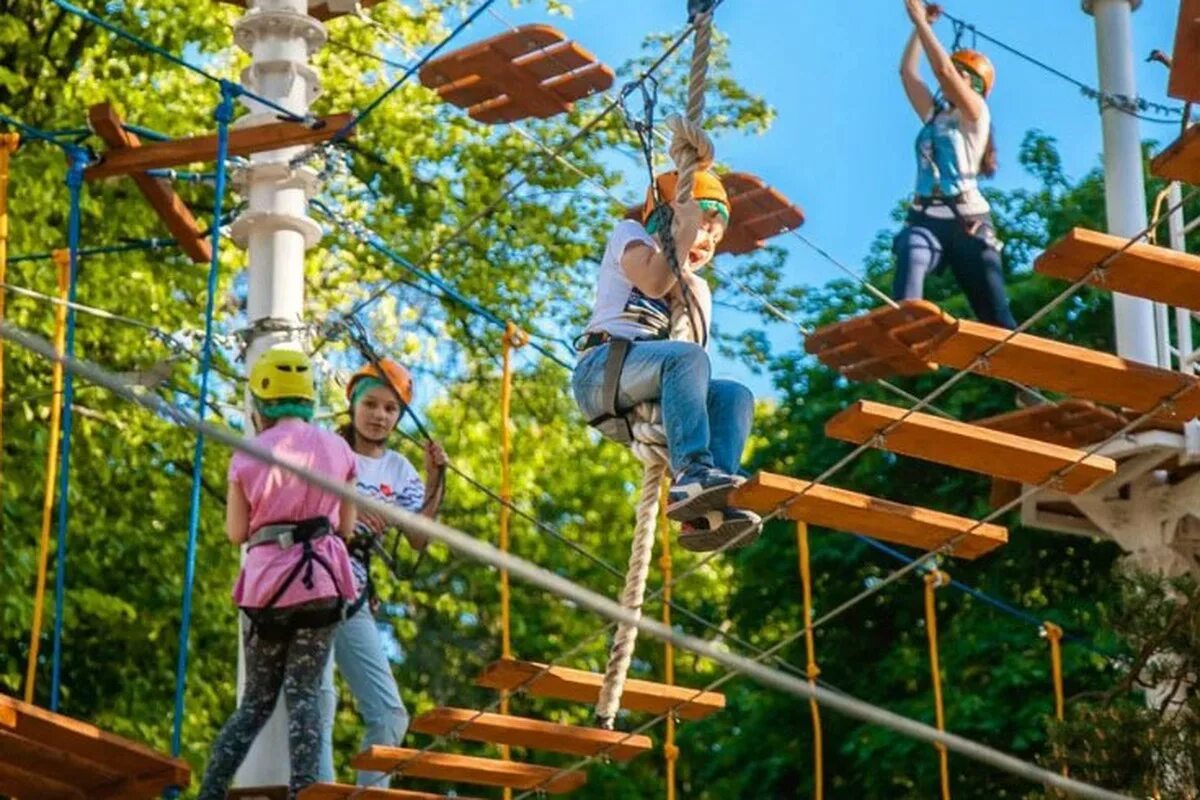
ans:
x=932 y=581
x=1054 y=635
x=670 y=751
x=62 y=260
x=812 y=669
x=514 y=337
x=8 y=145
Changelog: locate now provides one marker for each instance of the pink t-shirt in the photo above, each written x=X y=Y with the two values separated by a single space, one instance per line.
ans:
x=278 y=496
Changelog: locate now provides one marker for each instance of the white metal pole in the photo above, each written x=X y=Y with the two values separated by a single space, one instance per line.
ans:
x=1124 y=179
x=276 y=231
x=1183 y=316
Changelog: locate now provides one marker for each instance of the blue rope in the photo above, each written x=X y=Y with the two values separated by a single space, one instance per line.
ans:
x=224 y=115
x=408 y=73
x=34 y=134
x=78 y=161
x=127 y=247
x=174 y=59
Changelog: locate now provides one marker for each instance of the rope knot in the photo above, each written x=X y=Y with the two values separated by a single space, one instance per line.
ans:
x=670 y=752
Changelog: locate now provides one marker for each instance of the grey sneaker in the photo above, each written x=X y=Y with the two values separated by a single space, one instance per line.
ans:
x=696 y=492
x=732 y=527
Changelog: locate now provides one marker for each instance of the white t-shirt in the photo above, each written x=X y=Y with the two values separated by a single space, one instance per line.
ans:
x=391 y=479
x=621 y=310
x=949 y=154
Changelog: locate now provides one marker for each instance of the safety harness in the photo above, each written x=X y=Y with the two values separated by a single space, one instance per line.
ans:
x=287 y=535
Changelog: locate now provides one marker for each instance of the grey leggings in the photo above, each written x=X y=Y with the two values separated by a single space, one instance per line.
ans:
x=295 y=665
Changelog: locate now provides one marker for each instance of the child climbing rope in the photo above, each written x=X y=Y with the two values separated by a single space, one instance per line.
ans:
x=296 y=577
x=950 y=223
x=646 y=343
x=376 y=404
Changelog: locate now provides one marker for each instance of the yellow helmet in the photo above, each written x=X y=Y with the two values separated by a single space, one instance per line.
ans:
x=281 y=374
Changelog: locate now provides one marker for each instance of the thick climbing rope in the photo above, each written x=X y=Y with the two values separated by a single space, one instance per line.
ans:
x=8 y=145
x=224 y=115
x=810 y=651
x=63 y=268
x=933 y=581
x=691 y=149
x=471 y=547
x=1054 y=635
x=670 y=750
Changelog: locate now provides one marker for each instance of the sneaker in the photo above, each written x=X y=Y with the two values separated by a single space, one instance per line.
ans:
x=734 y=527
x=696 y=492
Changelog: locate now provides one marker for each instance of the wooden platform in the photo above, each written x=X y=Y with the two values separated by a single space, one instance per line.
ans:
x=531 y=71
x=580 y=686
x=918 y=336
x=197 y=149
x=1143 y=270
x=338 y=791
x=158 y=192
x=757 y=213
x=47 y=756
x=1185 y=61
x=1071 y=423
x=848 y=511
x=534 y=734
x=970 y=447
x=468 y=769
x=318 y=8
x=1180 y=161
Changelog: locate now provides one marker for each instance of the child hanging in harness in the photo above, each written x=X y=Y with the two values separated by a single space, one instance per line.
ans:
x=646 y=343
x=296 y=577
x=950 y=223
x=377 y=401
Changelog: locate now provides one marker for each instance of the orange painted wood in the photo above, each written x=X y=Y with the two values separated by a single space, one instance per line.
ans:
x=532 y=71
x=242 y=142
x=1185 y=62
x=534 y=734
x=169 y=206
x=1071 y=423
x=319 y=10
x=467 y=769
x=757 y=213
x=848 y=511
x=15 y=781
x=1181 y=160
x=338 y=791
x=1144 y=270
x=970 y=447
x=257 y=793
x=1077 y=371
x=884 y=342
x=98 y=764
x=580 y=686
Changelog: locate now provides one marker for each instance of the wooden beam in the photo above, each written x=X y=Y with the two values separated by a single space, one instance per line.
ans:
x=1072 y=423
x=455 y=768
x=337 y=791
x=1185 y=62
x=970 y=447
x=534 y=734
x=318 y=10
x=242 y=142
x=580 y=686
x=885 y=342
x=1143 y=270
x=848 y=511
x=1181 y=160
x=158 y=192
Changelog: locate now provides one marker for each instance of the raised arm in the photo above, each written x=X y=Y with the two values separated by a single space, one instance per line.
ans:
x=910 y=76
x=954 y=86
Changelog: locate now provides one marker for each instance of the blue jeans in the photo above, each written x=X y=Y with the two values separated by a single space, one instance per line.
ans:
x=359 y=654
x=706 y=421
x=928 y=243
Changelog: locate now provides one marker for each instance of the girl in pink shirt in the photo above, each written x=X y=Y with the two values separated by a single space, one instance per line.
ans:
x=296 y=577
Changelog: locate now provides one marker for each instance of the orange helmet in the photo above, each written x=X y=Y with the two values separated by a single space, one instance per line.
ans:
x=706 y=188
x=979 y=66
x=399 y=378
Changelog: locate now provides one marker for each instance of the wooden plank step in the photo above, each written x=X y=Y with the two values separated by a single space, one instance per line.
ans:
x=1185 y=61
x=1071 y=423
x=1143 y=270
x=884 y=342
x=1076 y=371
x=1180 y=161
x=174 y=213
x=580 y=686
x=534 y=734
x=338 y=791
x=843 y=510
x=96 y=763
x=456 y=768
x=970 y=447
x=242 y=142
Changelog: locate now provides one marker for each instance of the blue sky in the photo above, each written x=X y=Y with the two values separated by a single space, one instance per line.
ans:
x=841 y=146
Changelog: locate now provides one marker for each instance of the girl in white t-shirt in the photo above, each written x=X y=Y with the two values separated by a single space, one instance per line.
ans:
x=950 y=222
x=377 y=400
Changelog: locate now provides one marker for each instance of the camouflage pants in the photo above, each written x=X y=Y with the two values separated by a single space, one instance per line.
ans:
x=294 y=664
